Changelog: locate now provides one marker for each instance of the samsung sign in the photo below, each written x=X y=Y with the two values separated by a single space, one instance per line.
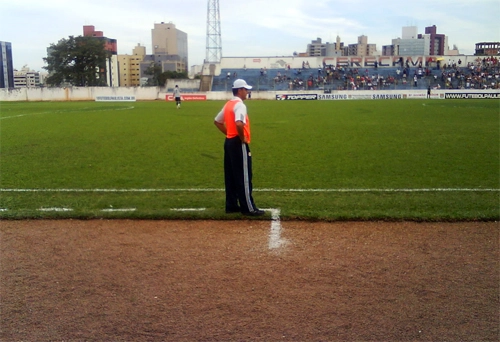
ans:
x=387 y=96
x=286 y=97
x=333 y=97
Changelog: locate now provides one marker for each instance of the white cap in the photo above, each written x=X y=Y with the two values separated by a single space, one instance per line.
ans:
x=239 y=83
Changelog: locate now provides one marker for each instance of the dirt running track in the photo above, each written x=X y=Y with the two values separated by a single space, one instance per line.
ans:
x=116 y=280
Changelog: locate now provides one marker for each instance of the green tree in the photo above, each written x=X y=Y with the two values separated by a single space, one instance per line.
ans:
x=79 y=61
x=159 y=78
x=155 y=71
x=175 y=75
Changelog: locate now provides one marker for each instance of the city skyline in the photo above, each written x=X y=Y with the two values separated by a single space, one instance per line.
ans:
x=257 y=28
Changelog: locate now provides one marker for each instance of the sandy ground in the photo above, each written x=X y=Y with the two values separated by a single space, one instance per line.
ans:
x=120 y=280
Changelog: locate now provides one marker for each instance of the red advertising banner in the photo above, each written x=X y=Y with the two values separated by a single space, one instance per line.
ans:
x=187 y=97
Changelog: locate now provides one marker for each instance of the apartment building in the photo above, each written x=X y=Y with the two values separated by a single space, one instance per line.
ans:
x=26 y=78
x=361 y=49
x=318 y=48
x=438 y=42
x=130 y=67
x=109 y=70
x=167 y=40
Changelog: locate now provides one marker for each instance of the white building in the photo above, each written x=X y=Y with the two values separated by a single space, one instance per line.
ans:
x=26 y=78
x=412 y=47
x=411 y=43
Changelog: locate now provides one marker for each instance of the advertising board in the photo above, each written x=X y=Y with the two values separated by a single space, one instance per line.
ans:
x=115 y=98
x=472 y=95
x=289 y=97
x=187 y=97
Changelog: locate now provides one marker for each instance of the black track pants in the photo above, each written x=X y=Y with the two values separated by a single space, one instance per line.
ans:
x=238 y=176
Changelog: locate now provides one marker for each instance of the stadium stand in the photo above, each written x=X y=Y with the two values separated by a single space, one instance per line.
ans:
x=484 y=76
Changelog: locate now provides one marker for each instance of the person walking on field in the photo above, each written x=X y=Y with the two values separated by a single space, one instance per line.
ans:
x=234 y=123
x=177 y=95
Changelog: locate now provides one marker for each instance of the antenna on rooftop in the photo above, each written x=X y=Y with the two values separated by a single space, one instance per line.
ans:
x=214 y=43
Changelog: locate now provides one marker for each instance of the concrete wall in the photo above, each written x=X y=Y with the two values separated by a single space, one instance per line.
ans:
x=156 y=93
x=76 y=93
x=185 y=85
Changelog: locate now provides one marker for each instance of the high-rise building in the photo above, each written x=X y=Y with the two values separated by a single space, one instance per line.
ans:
x=339 y=46
x=411 y=44
x=410 y=32
x=438 y=42
x=361 y=49
x=130 y=67
x=411 y=47
x=6 y=66
x=109 y=71
x=110 y=44
x=318 y=48
x=169 y=41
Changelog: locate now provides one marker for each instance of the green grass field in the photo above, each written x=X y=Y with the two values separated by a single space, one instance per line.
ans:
x=326 y=160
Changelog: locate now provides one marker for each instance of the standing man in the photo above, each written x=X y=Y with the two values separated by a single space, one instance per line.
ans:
x=177 y=95
x=234 y=123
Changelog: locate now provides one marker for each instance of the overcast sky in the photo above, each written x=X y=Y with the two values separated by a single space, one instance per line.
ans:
x=249 y=28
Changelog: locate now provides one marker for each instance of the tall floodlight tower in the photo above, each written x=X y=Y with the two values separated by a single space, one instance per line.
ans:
x=214 y=44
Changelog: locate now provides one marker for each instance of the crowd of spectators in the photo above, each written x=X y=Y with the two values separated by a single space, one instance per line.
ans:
x=483 y=73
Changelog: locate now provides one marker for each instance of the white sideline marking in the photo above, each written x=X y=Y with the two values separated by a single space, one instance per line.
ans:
x=259 y=190
x=275 y=233
x=187 y=209
x=65 y=111
x=119 y=210
x=384 y=190
x=55 y=209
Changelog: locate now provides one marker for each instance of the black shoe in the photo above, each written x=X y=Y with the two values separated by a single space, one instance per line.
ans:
x=233 y=211
x=256 y=212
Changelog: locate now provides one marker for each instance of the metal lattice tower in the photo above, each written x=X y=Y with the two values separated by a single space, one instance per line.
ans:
x=214 y=43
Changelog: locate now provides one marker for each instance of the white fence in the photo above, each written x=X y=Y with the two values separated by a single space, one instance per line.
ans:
x=156 y=93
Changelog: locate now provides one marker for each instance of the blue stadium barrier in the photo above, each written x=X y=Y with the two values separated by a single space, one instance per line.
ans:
x=269 y=81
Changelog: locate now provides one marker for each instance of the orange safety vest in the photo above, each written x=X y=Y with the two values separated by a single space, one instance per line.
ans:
x=231 y=124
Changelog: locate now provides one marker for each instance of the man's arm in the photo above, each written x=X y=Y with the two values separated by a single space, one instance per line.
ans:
x=220 y=126
x=241 y=132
